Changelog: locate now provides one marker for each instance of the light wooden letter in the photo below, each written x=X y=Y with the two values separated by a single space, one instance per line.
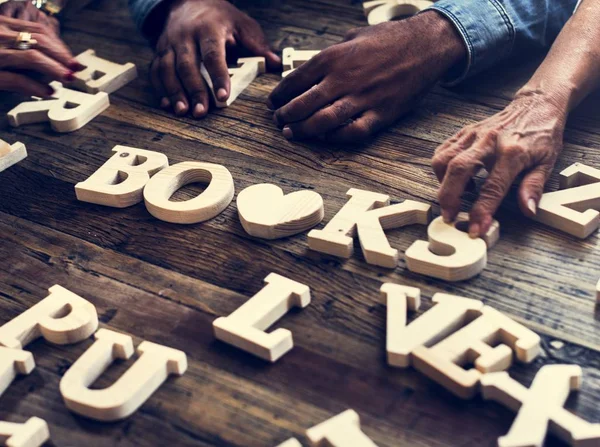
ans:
x=292 y=59
x=134 y=387
x=449 y=314
x=69 y=111
x=375 y=246
x=342 y=430
x=290 y=443
x=380 y=11
x=120 y=181
x=574 y=209
x=248 y=69
x=245 y=327
x=32 y=433
x=450 y=253
x=473 y=344
x=541 y=407
x=13 y=362
x=267 y=213
x=207 y=205
x=337 y=237
x=11 y=154
x=101 y=75
x=61 y=318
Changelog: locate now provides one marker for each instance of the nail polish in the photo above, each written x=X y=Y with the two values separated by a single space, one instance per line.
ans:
x=76 y=66
x=70 y=76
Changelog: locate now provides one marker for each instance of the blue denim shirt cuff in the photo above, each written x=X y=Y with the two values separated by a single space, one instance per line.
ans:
x=141 y=9
x=486 y=29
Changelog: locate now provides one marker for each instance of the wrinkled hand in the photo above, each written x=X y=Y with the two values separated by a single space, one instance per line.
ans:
x=526 y=136
x=49 y=59
x=353 y=89
x=24 y=10
x=195 y=31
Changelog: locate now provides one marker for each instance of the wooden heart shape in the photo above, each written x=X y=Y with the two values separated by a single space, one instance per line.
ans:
x=267 y=213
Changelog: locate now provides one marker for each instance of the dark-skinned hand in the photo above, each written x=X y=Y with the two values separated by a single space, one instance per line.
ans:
x=202 y=31
x=351 y=90
x=526 y=137
x=25 y=71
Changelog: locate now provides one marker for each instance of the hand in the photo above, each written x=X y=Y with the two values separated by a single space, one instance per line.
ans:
x=24 y=10
x=353 y=89
x=195 y=31
x=526 y=136
x=20 y=70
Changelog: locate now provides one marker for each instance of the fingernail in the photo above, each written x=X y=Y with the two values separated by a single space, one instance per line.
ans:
x=446 y=216
x=287 y=133
x=270 y=105
x=76 y=66
x=70 y=76
x=532 y=206
x=222 y=94
x=164 y=103
x=198 y=110
x=474 y=231
x=180 y=108
x=50 y=91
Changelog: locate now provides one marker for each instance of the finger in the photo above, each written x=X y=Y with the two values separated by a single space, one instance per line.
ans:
x=297 y=82
x=306 y=104
x=324 y=120
x=450 y=149
x=157 y=84
x=35 y=61
x=54 y=47
x=13 y=82
x=253 y=38
x=532 y=188
x=171 y=84
x=365 y=126
x=188 y=71
x=459 y=171
x=214 y=59
x=8 y=9
x=492 y=193
x=24 y=13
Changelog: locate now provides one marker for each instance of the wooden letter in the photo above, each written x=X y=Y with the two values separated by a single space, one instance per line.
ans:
x=120 y=181
x=32 y=433
x=249 y=68
x=266 y=213
x=292 y=59
x=449 y=314
x=598 y=292
x=207 y=205
x=380 y=11
x=11 y=154
x=450 y=253
x=375 y=246
x=13 y=362
x=62 y=318
x=337 y=237
x=471 y=344
x=290 y=443
x=134 y=387
x=245 y=327
x=574 y=209
x=541 y=407
x=71 y=110
x=342 y=430
x=101 y=75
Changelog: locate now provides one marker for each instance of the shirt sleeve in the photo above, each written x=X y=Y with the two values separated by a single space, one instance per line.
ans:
x=141 y=9
x=493 y=30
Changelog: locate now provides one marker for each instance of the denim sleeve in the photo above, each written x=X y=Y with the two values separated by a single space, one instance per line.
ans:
x=495 y=29
x=140 y=9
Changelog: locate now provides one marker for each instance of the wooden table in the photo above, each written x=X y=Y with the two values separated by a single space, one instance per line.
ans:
x=167 y=283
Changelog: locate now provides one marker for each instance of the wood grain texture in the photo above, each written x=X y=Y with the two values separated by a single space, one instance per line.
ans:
x=167 y=283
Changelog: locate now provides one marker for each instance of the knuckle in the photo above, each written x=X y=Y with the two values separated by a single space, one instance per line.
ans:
x=458 y=167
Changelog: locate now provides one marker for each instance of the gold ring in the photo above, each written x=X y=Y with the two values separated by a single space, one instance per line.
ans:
x=24 y=41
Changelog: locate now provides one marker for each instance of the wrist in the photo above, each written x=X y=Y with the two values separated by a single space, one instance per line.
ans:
x=559 y=96
x=446 y=43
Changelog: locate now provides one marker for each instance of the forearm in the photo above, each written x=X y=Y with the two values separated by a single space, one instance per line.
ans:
x=571 y=71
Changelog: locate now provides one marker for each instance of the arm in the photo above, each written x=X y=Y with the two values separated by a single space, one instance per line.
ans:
x=527 y=135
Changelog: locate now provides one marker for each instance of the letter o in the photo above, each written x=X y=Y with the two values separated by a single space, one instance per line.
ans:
x=208 y=204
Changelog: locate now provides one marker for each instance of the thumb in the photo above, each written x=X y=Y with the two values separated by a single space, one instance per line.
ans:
x=253 y=39
x=532 y=188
